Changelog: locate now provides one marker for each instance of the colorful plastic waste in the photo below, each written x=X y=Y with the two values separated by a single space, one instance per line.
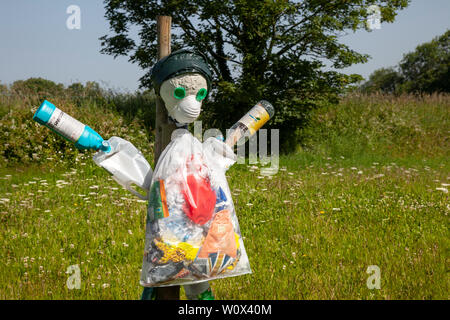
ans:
x=200 y=199
x=192 y=232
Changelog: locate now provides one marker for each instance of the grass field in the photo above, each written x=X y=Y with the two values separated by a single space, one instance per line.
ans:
x=370 y=187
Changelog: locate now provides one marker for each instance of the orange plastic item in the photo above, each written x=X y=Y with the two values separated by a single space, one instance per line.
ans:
x=220 y=238
x=200 y=199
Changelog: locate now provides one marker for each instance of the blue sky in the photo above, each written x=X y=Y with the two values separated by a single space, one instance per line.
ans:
x=35 y=42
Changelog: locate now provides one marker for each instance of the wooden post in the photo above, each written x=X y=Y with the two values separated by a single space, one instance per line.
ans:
x=163 y=130
x=163 y=127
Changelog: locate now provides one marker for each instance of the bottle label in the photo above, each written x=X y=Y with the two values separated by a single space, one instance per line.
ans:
x=65 y=125
x=255 y=118
x=251 y=122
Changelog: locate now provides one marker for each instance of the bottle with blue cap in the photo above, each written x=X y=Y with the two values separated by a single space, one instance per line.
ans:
x=119 y=157
x=73 y=130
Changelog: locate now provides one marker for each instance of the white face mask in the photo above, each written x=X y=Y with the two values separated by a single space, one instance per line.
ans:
x=183 y=96
x=187 y=110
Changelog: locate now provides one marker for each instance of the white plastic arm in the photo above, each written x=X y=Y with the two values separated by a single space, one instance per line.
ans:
x=127 y=165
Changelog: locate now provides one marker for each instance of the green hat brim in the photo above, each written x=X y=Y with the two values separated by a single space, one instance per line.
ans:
x=180 y=62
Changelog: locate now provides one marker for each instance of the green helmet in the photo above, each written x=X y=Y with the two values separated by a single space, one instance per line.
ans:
x=180 y=62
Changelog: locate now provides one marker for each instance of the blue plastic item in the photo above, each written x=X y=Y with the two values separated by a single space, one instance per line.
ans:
x=73 y=130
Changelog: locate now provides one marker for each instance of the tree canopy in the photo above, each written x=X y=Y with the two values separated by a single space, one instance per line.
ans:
x=272 y=49
x=425 y=70
x=387 y=80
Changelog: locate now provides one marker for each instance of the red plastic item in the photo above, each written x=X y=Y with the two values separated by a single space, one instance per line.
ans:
x=200 y=199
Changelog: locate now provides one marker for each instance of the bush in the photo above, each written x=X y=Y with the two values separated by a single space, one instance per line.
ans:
x=24 y=141
x=136 y=106
x=37 y=88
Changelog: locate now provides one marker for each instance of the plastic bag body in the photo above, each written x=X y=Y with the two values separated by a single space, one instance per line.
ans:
x=192 y=232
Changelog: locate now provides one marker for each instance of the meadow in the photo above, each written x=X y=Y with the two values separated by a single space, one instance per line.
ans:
x=368 y=187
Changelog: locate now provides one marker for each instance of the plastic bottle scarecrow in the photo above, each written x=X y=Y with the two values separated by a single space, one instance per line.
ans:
x=192 y=232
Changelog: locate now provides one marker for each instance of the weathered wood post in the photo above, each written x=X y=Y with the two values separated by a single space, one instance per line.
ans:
x=163 y=130
x=163 y=127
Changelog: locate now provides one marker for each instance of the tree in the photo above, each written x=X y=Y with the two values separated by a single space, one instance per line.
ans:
x=426 y=70
x=272 y=49
x=385 y=79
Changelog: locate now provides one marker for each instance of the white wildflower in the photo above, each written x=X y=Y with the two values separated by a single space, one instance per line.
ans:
x=444 y=190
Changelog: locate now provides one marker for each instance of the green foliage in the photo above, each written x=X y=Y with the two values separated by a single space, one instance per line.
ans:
x=270 y=50
x=23 y=141
x=138 y=106
x=425 y=70
x=37 y=87
x=3 y=89
x=381 y=125
x=385 y=79
x=369 y=189
x=91 y=92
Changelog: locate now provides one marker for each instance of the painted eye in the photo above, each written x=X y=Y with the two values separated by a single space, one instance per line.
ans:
x=201 y=94
x=179 y=93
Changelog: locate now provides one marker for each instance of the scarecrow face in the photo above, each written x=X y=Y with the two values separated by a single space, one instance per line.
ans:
x=183 y=96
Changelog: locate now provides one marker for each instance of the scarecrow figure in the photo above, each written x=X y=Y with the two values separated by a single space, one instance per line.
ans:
x=183 y=80
x=192 y=232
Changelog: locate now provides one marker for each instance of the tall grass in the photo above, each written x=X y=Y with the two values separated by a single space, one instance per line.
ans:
x=369 y=187
x=383 y=125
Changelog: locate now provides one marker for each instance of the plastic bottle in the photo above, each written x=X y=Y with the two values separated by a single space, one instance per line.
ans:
x=251 y=122
x=119 y=157
x=73 y=130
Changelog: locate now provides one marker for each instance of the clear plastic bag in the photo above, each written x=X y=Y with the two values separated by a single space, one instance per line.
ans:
x=192 y=232
x=127 y=165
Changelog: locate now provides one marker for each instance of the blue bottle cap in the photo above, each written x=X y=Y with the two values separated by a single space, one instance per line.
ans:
x=44 y=112
x=105 y=147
